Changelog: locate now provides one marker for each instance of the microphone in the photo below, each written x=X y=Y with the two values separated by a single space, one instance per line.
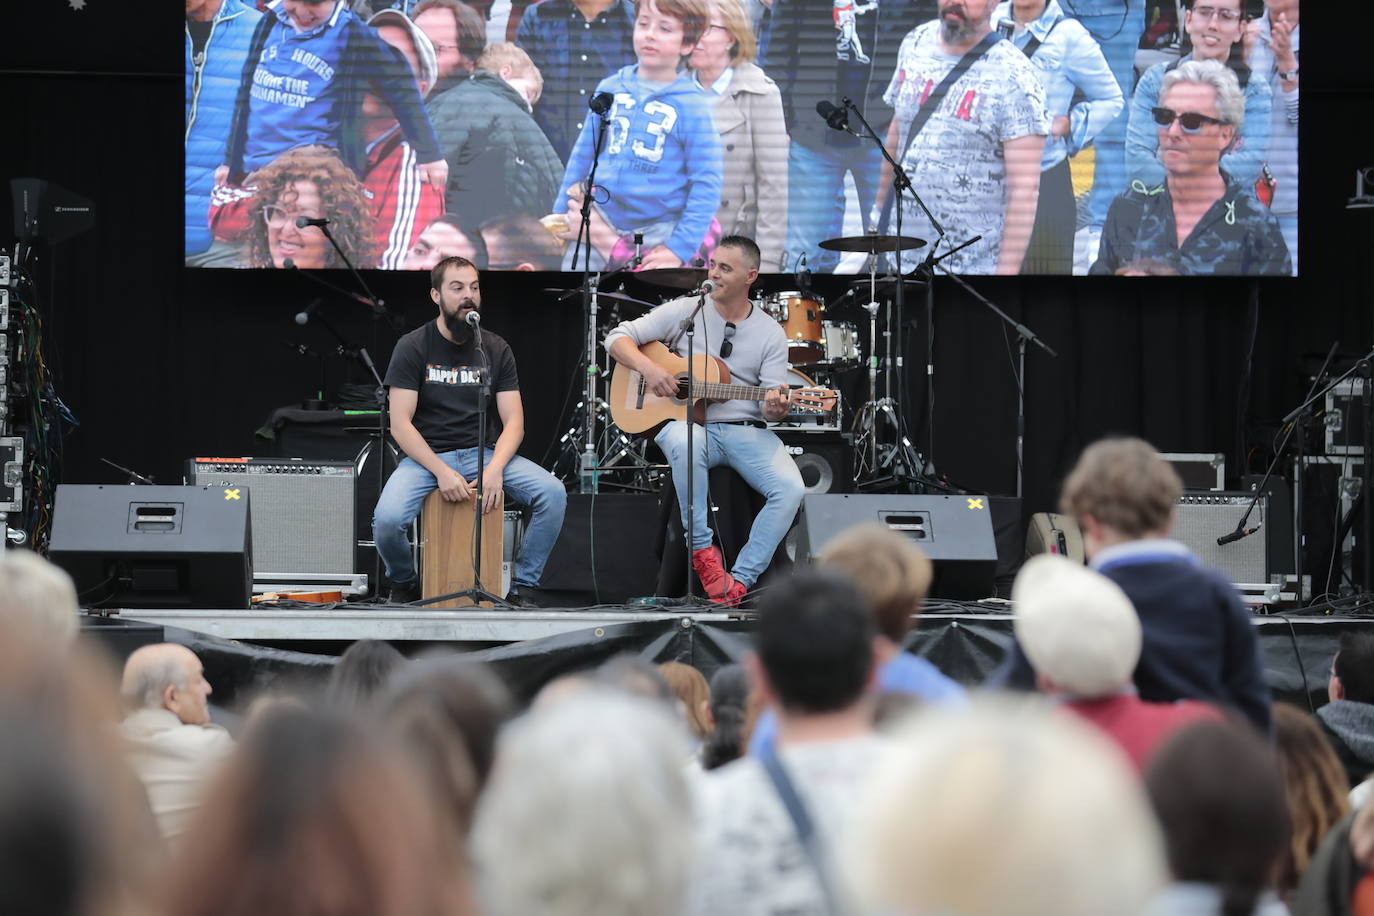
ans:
x=288 y=264
x=473 y=319
x=1236 y=535
x=601 y=102
x=706 y=287
x=803 y=276
x=303 y=316
x=835 y=116
x=303 y=221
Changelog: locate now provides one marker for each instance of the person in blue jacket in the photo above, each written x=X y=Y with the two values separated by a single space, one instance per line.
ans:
x=661 y=169
x=218 y=33
x=310 y=64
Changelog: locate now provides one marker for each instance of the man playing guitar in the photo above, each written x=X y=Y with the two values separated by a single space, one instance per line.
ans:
x=753 y=348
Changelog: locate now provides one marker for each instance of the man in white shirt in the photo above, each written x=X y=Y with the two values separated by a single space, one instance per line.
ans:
x=814 y=666
x=168 y=737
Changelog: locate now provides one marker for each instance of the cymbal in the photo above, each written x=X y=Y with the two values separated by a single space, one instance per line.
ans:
x=884 y=286
x=872 y=242
x=671 y=277
x=623 y=298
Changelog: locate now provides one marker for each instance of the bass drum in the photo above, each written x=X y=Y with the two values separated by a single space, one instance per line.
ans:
x=800 y=317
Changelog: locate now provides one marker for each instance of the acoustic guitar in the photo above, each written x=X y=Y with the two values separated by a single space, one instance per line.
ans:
x=636 y=409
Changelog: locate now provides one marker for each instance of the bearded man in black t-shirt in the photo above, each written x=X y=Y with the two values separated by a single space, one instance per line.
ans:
x=434 y=380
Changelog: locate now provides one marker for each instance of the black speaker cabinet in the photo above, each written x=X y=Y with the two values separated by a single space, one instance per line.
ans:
x=954 y=531
x=155 y=547
x=822 y=456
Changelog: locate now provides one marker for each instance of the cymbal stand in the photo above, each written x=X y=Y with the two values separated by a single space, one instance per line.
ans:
x=875 y=459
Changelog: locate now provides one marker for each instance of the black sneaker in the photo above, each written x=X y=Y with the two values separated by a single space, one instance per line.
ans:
x=517 y=598
x=404 y=592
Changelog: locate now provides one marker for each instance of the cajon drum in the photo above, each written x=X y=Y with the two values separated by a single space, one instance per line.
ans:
x=446 y=549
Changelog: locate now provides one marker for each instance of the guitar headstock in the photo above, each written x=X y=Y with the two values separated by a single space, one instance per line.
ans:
x=822 y=399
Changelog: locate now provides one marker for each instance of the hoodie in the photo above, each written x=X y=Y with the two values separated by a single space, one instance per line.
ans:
x=1349 y=726
x=661 y=161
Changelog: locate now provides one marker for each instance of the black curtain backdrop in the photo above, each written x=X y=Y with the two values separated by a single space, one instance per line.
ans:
x=159 y=363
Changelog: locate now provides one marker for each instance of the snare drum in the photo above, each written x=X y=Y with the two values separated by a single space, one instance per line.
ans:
x=800 y=317
x=841 y=345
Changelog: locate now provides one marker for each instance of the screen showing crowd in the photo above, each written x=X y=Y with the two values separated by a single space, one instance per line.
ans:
x=1129 y=137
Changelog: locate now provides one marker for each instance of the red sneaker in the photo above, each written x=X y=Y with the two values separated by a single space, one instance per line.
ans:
x=735 y=595
x=710 y=569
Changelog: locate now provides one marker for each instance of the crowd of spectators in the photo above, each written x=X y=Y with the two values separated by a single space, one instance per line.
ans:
x=483 y=113
x=1139 y=769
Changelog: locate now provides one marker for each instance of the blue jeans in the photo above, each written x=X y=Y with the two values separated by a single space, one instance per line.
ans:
x=815 y=198
x=1117 y=26
x=525 y=482
x=762 y=460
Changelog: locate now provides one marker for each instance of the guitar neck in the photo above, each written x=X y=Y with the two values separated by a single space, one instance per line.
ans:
x=719 y=391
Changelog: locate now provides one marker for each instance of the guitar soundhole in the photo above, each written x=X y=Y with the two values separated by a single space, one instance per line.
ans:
x=682 y=389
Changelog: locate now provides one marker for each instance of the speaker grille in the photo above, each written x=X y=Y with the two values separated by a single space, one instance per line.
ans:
x=1203 y=516
x=302 y=511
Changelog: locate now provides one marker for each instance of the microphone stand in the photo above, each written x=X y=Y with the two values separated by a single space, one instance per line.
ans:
x=1023 y=334
x=383 y=415
x=588 y=477
x=134 y=476
x=902 y=183
x=477 y=593
x=688 y=326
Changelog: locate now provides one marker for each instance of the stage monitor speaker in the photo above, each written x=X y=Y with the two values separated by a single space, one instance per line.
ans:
x=1202 y=516
x=155 y=547
x=303 y=515
x=954 y=531
x=822 y=456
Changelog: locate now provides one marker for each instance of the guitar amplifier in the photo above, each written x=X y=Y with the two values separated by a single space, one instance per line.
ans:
x=1202 y=516
x=302 y=510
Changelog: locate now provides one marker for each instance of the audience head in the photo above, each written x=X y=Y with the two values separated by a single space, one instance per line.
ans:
x=446 y=713
x=889 y=569
x=518 y=241
x=37 y=599
x=1199 y=87
x=167 y=676
x=693 y=14
x=1121 y=490
x=443 y=238
x=729 y=717
x=689 y=686
x=587 y=811
x=1352 y=670
x=1005 y=807
x=313 y=815
x=396 y=29
x=1218 y=794
x=362 y=672
x=309 y=181
x=457 y=32
x=637 y=676
x=728 y=40
x=813 y=644
x=1077 y=627
x=512 y=63
x=1314 y=782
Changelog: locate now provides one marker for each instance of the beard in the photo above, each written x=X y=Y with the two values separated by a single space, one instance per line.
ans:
x=457 y=327
x=959 y=31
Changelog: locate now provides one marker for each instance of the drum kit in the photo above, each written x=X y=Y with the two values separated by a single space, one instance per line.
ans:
x=820 y=348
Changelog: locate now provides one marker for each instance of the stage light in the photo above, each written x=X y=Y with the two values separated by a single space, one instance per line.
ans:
x=1364 y=183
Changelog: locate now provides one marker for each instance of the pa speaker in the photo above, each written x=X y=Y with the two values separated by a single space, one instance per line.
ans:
x=822 y=456
x=954 y=531
x=155 y=547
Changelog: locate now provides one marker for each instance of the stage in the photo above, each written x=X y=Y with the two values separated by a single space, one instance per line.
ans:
x=250 y=652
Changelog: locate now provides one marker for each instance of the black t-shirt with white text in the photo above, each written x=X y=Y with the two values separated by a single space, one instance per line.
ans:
x=446 y=377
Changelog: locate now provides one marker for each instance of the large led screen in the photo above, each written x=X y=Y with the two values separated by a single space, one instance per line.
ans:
x=1129 y=137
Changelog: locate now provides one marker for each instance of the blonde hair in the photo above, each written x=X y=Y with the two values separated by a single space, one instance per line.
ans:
x=1315 y=785
x=737 y=23
x=1009 y=774
x=1123 y=484
x=505 y=54
x=891 y=572
x=691 y=688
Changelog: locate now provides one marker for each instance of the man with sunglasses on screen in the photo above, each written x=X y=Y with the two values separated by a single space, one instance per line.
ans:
x=754 y=348
x=1200 y=220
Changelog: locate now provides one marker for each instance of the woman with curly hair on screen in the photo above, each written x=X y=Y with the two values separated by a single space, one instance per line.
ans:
x=311 y=182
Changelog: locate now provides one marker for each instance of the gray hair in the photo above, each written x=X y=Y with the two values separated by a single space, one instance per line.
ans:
x=1222 y=79
x=587 y=811
x=37 y=597
x=142 y=687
